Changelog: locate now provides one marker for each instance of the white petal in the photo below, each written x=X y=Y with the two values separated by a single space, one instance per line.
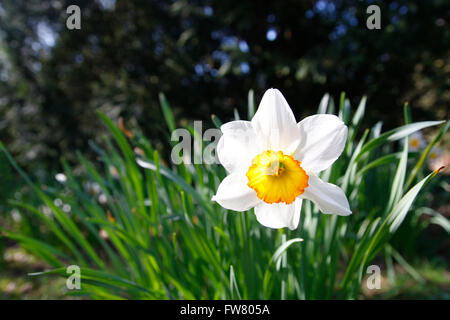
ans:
x=322 y=140
x=279 y=215
x=237 y=146
x=274 y=122
x=329 y=197
x=234 y=194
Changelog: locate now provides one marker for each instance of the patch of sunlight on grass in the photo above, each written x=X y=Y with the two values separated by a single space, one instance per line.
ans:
x=436 y=285
x=16 y=284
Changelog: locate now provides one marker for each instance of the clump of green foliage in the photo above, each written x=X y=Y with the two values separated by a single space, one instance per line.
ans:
x=148 y=230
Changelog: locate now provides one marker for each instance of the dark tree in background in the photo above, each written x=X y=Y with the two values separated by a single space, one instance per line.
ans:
x=205 y=56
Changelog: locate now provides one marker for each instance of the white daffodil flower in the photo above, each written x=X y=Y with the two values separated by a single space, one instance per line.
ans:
x=438 y=159
x=435 y=153
x=273 y=163
x=416 y=141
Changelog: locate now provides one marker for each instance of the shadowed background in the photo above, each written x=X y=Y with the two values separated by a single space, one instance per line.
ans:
x=205 y=56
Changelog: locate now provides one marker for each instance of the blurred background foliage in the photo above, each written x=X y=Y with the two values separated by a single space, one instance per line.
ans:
x=205 y=55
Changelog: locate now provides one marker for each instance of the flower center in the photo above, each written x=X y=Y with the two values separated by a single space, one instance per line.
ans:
x=415 y=143
x=277 y=177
